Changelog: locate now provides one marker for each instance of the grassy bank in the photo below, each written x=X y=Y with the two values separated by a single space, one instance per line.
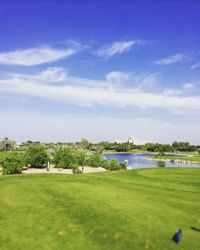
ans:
x=138 y=151
x=135 y=209
x=190 y=158
x=135 y=151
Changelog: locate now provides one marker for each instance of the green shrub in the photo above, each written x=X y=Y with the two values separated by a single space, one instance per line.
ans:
x=110 y=164
x=114 y=165
x=161 y=164
x=105 y=164
x=36 y=156
x=12 y=164
x=122 y=165
x=65 y=158
x=95 y=160
x=76 y=170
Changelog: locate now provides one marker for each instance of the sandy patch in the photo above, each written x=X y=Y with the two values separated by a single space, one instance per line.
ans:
x=61 y=171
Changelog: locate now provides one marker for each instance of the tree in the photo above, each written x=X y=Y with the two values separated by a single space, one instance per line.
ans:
x=84 y=143
x=183 y=146
x=12 y=164
x=121 y=147
x=36 y=156
x=81 y=158
x=159 y=148
x=65 y=158
x=95 y=160
x=114 y=165
x=105 y=145
x=98 y=148
x=7 y=145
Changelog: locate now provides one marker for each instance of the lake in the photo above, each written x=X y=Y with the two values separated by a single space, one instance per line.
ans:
x=138 y=160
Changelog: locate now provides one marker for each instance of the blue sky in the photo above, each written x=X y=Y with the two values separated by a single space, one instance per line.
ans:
x=100 y=70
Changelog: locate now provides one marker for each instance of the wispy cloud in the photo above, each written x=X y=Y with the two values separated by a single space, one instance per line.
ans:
x=195 y=66
x=192 y=87
x=50 y=76
x=138 y=82
x=117 y=77
x=188 y=86
x=35 y=56
x=91 y=92
x=118 y=47
x=176 y=58
x=187 y=89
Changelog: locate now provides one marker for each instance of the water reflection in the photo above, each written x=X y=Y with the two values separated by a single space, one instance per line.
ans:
x=139 y=161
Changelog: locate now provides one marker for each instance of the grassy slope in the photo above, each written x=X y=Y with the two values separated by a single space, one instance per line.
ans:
x=135 y=209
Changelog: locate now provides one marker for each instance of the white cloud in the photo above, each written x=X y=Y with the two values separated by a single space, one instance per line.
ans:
x=90 y=92
x=118 y=47
x=35 y=56
x=53 y=74
x=188 y=86
x=117 y=77
x=50 y=75
x=195 y=66
x=140 y=82
x=145 y=82
x=72 y=43
x=176 y=58
x=192 y=87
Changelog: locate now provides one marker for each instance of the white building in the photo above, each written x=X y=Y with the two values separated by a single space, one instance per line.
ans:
x=133 y=140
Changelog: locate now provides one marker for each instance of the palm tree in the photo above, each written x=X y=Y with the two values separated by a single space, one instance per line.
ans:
x=7 y=145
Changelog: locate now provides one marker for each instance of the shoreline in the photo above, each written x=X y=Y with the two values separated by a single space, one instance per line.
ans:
x=145 y=152
x=175 y=161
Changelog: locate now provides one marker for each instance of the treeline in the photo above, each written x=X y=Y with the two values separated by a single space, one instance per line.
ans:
x=150 y=147
x=10 y=145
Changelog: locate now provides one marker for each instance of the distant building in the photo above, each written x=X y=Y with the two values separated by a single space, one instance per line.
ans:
x=132 y=140
x=129 y=140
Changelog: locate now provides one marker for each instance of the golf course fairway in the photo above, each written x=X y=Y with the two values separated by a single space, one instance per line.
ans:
x=130 y=209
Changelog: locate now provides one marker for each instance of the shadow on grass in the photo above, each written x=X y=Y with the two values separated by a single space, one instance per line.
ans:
x=195 y=229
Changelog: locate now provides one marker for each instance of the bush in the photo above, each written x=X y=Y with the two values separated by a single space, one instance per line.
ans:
x=95 y=160
x=76 y=170
x=105 y=164
x=114 y=165
x=122 y=165
x=12 y=164
x=36 y=156
x=65 y=158
x=110 y=164
x=161 y=164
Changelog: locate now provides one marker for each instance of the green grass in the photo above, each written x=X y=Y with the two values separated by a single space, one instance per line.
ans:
x=133 y=151
x=133 y=209
x=191 y=158
x=140 y=151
